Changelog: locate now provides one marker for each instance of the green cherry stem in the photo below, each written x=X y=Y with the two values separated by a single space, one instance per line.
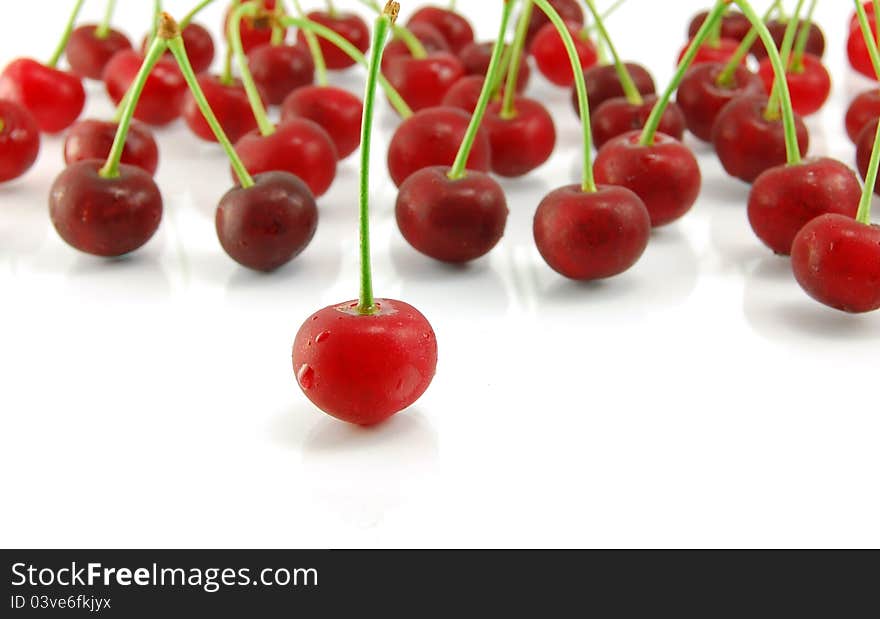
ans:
x=65 y=37
x=864 y=213
x=331 y=8
x=459 y=167
x=415 y=47
x=714 y=38
x=869 y=41
x=785 y=53
x=157 y=11
x=314 y=48
x=800 y=46
x=103 y=28
x=248 y=9
x=508 y=104
x=277 y=30
x=629 y=88
x=588 y=184
x=725 y=78
x=187 y=19
x=226 y=77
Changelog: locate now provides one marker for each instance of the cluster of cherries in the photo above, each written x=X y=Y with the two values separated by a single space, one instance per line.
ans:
x=464 y=118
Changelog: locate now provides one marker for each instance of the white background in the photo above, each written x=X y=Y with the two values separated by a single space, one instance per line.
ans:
x=699 y=400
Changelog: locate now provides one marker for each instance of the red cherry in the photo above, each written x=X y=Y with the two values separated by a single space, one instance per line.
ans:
x=476 y=56
x=105 y=216
x=857 y=50
x=465 y=93
x=569 y=10
x=734 y=25
x=618 y=116
x=722 y=51
x=432 y=138
x=747 y=143
x=298 y=146
x=229 y=103
x=591 y=235
x=88 y=53
x=451 y=220
x=280 y=69
x=869 y=11
x=336 y=110
x=522 y=143
x=836 y=260
x=164 y=92
x=864 y=148
x=815 y=40
x=786 y=198
x=365 y=368
x=255 y=31
x=603 y=83
x=428 y=36
x=423 y=82
x=701 y=98
x=93 y=139
x=199 y=46
x=19 y=140
x=54 y=98
x=665 y=175
x=454 y=27
x=552 y=58
x=810 y=85
x=265 y=226
x=863 y=109
x=347 y=25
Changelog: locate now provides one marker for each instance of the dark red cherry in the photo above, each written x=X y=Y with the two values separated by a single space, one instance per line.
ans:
x=163 y=95
x=618 y=116
x=428 y=36
x=747 y=143
x=54 y=98
x=105 y=216
x=552 y=59
x=665 y=175
x=199 y=46
x=569 y=10
x=229 y=103
x=603 y=83
x=522 y=143
x=88 y=54
x=423 y=82
x=19 y=140
x=255 y=31
x=432 y=137
x=809 y=84
x=701 y=98
x=721 y=51
x=864 y=148
x=857 y=50
x=734 y=25
x=93 y=139
x=476 y=56
x=265 y=226
x=453 y=26
x=591 y=235
x=365 y=368
x=863 y=109
x=836 y=260
x=815 y=40
x=298 y=146
x=347 y=25
x=451 y=220
x=786 y=198
x=280 y=69
x=336 y=110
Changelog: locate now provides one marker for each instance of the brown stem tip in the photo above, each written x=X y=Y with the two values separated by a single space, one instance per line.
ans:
x=392 y=10
x=168 y=28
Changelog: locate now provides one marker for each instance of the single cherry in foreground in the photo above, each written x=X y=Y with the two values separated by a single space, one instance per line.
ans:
x=454 y=27
x=336 y=110
x=551 y=56
x=19 y=140
x=701 y=96
x=88 y=53
x=522 y=140
x=347 y=25
x=163 y=95
x=230 y=104
x=54 y=98
x=93 y=139
x=280 y=69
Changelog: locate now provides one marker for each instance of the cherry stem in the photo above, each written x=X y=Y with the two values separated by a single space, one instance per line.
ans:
x=248 y=9
x=331 y=8
x=187 y=19
x=277 y=31
x=714 y=39
x=412 y=42
x=629 y=88
x=314 y=48
x=103 y=28
x=800 y=46
x=772 y=112
x=65 y=37
x=459 y=167
x=870 y=42
x=157 y=11
x=725 y=78
x=2 y=125
x=110 y=169
x=367 y=305
x=508 y=104
x=864 y=213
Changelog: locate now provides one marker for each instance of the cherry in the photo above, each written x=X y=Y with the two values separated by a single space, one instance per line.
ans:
x=836 y=260
x=280 y=69
x=475 y=58
x=454 y=27
x=809 y=83
x=551 y=57
x=815 y=39
x=54 y=98
x=349 y=26
x=93 y=139
x=88 y=53
x=105 y=216
x=719 y=51
x=569 y=10
x=863 y=109
x=432 y=137
x=199 y=47
x=868 y=7
x=255 y=30
x=734 y=25
x=465 y=93
x=857 y=50
x=336 y=110
x=864 y=147
x=230 y=104
x=747 y=143
x=603 y=83
x=522 y=140
x=423 y=82
x=163 y=96
x=268 y=224
x=427 y=35
x=19 y=140
x=701 y=97
x=618 y=116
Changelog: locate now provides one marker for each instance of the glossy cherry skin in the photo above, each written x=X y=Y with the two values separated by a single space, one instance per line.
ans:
x=569 y=10
x=432 y=137
x=591 y=235
x=162 y=99
x=88 y=54
x=280 y=69
x=864 y=147
x=552 y=59
x=428 y=36
x=475 y=58
x=54 y=98
x=815 y=40
x=266 y=226
x=255 y=31
x=734 y=25
x=618 y=116
x=721 y=51
x=453 y=221
x=864 y=109
x=105 y=216
x=465 y=93
x=453 y=26
x=298 y=146
x=786 y=198
x=836 y=260
x=522 y=143
x=347 y=25
x=810 y=85
x=364 y=369
x=665 y=175
x=19 y=140
x=701 y=98
x=93 y=139
x=857 y=50
x=229 y=103
x=603 y=83
x=336 y=110
x=747 y=143
x=199 y=46
x=423 y=82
